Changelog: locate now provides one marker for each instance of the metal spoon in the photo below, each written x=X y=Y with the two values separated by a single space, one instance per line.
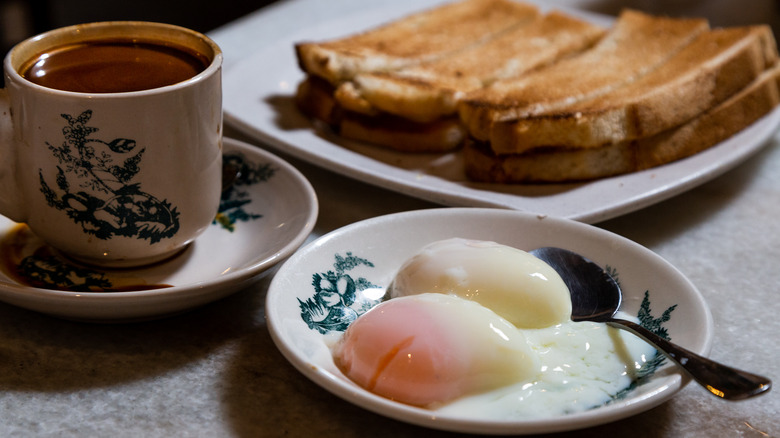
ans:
x=596 y=297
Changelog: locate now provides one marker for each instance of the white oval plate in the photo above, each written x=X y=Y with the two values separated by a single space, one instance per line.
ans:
x=279 y=209
x=259 y=94
x=372 y=250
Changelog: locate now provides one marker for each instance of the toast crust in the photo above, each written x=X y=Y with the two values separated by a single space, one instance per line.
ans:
x=559 y=164
x=636 y=45
x=705 y=73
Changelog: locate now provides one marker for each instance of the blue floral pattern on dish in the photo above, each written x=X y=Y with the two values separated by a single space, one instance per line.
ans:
x=338 y=299
x=239 y=173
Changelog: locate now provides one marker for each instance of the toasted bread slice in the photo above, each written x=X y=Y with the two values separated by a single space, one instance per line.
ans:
x=558 y=164
x=414 y=39
x=315 y=99
x=708 y=71
x=429 y=91
x=637 y=44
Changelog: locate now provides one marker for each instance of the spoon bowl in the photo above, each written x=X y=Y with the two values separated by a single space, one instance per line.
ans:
x=596 y=296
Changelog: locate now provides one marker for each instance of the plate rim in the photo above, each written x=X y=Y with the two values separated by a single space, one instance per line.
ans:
x=421 y=417
x=77 y=305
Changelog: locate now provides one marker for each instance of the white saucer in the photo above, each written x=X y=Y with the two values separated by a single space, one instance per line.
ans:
x=274 y=211
x=305 y=306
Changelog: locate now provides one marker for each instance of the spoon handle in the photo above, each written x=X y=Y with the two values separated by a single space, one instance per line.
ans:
x=721 y=380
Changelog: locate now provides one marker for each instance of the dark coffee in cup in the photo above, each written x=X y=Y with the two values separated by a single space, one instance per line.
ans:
x=113 y=66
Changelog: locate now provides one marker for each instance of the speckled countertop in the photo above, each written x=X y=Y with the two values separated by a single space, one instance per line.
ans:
x=214 y=372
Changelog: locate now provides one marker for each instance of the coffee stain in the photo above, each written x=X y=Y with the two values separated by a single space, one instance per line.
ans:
x=29 y=261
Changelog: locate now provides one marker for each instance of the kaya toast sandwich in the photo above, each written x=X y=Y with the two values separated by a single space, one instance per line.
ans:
x=413 y=108
x=713 y=68
x=573 y=164
x=414 y=39
x=429 y=93
x=717 y=64
x=635 y=45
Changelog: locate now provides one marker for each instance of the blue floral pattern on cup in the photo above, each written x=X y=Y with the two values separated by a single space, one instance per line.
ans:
x=47 y=269
x=94 y=183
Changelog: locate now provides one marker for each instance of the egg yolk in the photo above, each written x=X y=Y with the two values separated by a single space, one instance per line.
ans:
x=429 y=349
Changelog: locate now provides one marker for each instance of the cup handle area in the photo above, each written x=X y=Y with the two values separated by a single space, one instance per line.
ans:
x=11 y=205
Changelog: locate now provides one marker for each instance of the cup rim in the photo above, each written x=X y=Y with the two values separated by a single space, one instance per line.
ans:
x=88 y=32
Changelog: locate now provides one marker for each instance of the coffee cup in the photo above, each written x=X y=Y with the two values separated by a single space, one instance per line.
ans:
x=110 y=139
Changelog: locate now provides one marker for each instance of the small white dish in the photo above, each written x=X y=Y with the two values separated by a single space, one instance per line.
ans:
x=266 y=215
x=258 y=100
x=304 y=307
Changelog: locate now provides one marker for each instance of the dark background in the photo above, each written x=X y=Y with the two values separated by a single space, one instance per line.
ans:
x=20 y=19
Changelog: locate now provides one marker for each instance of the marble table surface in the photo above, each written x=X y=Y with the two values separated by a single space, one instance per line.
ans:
x=214 y=372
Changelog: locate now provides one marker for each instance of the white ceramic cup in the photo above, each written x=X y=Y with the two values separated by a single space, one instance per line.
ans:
x=112 y=179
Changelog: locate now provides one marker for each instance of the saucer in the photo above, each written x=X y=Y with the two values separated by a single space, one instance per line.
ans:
x=266 y=213
x=330 y=282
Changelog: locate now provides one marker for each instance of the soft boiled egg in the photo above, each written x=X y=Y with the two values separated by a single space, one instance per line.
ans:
x=429 y=349
x=513 y=283
x=476 y=327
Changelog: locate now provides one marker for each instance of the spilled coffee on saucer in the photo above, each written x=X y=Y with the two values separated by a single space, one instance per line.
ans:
x=113 y=66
